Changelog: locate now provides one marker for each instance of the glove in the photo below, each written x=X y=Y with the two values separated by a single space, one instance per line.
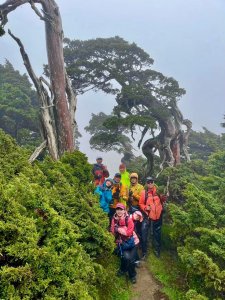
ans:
x=116 y=195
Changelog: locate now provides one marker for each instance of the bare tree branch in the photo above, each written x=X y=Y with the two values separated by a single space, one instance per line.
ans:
x=38 y=13
x=37 y=151
x=42 y=79
x=7 y=7
x=144 y=131
x=72 y=104
x=46 y=114
x=26 y=61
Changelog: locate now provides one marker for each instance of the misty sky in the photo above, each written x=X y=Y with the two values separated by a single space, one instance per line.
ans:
x=186 y=39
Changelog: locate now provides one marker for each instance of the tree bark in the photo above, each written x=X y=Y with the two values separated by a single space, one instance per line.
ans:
x=64 y=100
x=54 y=44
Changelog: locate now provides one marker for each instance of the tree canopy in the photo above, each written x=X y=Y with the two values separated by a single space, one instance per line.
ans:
x=203 y=143
x=19 y=113
x=145 y=99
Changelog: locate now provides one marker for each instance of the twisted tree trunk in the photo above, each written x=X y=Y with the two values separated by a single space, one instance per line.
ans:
x=171 y=139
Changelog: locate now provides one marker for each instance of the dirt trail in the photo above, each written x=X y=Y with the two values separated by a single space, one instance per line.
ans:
x=146 y=287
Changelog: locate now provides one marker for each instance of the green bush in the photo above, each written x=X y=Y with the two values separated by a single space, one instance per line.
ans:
x=197 y=213
x=54 y=238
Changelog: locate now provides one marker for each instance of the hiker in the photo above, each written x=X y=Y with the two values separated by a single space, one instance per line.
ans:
x=99 y=171
x=119 y=193
x=105 y=193
x=125 y=176
x=122 y=227
x=137 y=218
x=134 y=193
x=151 y=205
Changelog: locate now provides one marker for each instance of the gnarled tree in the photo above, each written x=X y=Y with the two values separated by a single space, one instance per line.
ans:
x=57 y=99
x=108 y=136
x=145 y=98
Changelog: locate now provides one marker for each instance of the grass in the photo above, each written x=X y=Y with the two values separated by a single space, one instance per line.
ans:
x=116 y=288
x=167 y=272
x=167 y=269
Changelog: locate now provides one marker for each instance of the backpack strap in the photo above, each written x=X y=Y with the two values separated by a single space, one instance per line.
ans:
x=146 y=196
x=126 y=220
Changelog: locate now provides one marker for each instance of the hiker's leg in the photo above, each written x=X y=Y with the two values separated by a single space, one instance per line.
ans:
x=129 y=256
x=157 y=226
x=144 y=236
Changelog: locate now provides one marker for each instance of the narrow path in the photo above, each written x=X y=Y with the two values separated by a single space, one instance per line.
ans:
x=146 y=287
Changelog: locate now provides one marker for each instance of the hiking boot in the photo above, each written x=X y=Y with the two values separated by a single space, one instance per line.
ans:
x=137 y=263
x=133 y=280
x=120 y=273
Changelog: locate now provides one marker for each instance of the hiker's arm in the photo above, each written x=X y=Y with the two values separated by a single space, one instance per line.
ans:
x=127 y=231
x=142 y=204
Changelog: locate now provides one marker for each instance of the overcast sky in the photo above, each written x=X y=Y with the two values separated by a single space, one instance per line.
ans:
x=186 y=39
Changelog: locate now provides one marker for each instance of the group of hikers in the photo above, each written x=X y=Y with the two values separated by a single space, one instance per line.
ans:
x=133 y=210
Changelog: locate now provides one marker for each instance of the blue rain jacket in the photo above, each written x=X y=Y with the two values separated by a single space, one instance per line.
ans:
x=105 y=197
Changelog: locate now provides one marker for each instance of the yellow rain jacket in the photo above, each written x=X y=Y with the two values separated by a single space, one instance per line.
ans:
x=135 y=193
x=120 y=194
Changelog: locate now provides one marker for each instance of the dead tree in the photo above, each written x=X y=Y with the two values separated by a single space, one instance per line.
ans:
x=57 y=110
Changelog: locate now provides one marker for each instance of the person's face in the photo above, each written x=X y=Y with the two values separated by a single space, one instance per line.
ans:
x=150 y=184
x=117 y=179
x=137 y=217
x=108 y=184
x=120 y=212
x=122 y=170
x=133 y=180
x=99 y=161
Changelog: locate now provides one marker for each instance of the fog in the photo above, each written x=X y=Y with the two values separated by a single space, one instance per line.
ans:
x=185 y=39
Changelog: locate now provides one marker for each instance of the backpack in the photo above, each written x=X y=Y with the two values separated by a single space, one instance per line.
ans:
x=130 y=242
x=158 y=210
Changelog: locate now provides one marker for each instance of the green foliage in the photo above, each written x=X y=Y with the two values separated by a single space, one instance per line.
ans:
x=54 y=242
x=203 y=144
x=19 y=114
x=198 y=224
x=167 y=271
x=216 y=164
x=108 y=134
x=193 y=295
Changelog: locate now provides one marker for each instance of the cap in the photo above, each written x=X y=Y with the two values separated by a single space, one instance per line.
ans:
x=122 y=166
x=134 y=175
x=117 y=175
x=98 y=157
x=149 y=178
x=109 y=179
x=138 y=213
x=120 y=205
